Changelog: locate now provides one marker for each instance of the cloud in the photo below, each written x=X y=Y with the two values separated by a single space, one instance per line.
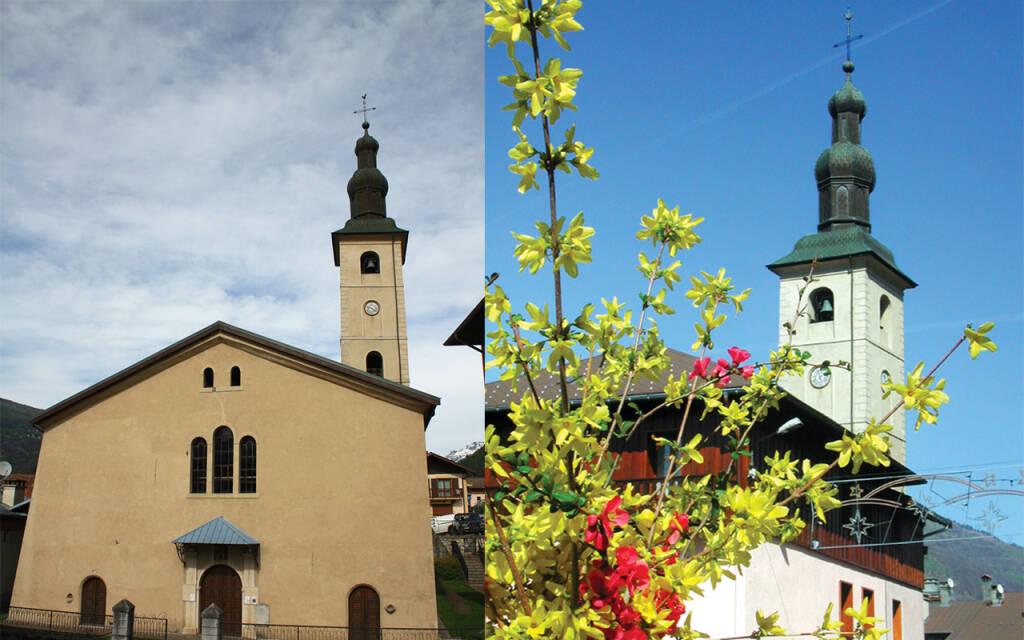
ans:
x=165 y=165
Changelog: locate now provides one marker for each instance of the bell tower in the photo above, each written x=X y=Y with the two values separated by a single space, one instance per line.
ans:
x=854 y=305
x=370 y=252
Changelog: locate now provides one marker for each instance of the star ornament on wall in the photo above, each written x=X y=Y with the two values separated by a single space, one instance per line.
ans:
x=858 y=526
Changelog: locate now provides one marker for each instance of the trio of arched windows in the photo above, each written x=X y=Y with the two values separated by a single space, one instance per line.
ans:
x=235 y=377
x=223 y=463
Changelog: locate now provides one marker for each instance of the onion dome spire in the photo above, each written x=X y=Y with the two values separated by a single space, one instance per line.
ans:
x=367 y=187
x=367 y=190
x=845 y=172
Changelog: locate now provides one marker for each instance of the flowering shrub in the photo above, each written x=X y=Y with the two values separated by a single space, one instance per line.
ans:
x=569 y=554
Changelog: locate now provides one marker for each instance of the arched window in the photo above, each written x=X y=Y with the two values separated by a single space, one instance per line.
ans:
x=198 y=454
x=207 y=378
x=842 y=200
x=223 y=460
x=884 y=320
x=236 y=377
x=822 y=305
x=93 y=602
x=247 y=465
x=375 y=364
x=369 y=262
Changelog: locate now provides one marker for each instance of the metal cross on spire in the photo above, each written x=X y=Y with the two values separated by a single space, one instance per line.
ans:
x=848 y=16
x=364 y=110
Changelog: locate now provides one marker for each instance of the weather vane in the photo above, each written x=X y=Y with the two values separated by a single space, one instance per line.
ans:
x=848 y=16
x=364 y=110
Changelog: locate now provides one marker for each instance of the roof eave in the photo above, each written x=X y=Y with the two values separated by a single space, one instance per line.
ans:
x=340 y=233
x=785 y=262
x=425 y=402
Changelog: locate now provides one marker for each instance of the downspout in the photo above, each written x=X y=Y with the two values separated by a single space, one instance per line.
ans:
x=850 y=261
x=398 y=323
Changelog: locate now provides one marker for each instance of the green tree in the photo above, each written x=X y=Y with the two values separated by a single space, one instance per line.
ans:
x=569 y=555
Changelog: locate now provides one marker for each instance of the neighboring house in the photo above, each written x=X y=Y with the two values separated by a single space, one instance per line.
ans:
x=447 y=482
x=475 y=490
x=854 y=313
x=998 y=617
x=12 y=530
x=235 y=470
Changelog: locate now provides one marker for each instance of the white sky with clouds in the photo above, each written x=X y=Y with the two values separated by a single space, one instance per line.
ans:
x=167 y=165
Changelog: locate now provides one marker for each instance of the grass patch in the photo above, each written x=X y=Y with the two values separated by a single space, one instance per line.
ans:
x=461 y=608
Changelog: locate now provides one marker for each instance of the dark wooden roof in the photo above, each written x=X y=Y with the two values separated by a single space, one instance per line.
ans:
x=385 y=389
x=977 y=619
x=499 y=394
x=434 y=461
x=470 y=332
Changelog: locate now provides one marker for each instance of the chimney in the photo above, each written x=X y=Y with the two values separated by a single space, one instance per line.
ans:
x=992 y=594
x=13 y=493
x=946 y=592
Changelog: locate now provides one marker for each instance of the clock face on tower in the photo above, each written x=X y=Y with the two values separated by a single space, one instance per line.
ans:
x=820 y=377
x=371 y=308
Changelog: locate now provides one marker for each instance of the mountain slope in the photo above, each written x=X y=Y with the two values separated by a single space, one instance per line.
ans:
x=19 y=440
x=967 y=560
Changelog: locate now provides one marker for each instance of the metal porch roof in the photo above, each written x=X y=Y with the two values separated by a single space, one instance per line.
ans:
x=217 y=531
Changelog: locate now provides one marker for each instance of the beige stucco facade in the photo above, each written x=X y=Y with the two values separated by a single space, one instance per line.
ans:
x=340 y=496
x=385 y=331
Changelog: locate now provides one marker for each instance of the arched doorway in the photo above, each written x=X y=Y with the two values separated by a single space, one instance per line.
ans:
x=364 y=614
x=220 y=584
x=94 y=601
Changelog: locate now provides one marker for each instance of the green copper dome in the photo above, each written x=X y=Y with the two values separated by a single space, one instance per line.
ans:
x=848 y=99
x=845 y=159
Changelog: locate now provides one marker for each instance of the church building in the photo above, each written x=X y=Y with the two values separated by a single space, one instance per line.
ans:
x=233 y=469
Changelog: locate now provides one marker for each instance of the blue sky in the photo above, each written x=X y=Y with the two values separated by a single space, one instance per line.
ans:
x=164 y=165
x=721 y=108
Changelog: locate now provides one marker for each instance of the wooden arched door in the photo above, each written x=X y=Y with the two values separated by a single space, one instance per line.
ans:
x=94 y=601
x=220 y=584
x=364 y=614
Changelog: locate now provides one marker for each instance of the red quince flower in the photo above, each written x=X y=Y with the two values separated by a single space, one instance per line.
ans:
x=599 y=528
x=679 y=525
x=603 y=583
x=738 y=356
x=747 y=372
x=700 y=368
x=632 y=569
x=668 y=600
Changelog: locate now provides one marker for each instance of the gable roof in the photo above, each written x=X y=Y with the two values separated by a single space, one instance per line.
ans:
x=977 y=619
x=470 y=331
x=216 y=531
x=455 y=467
x=351 y=377
x=499 y=394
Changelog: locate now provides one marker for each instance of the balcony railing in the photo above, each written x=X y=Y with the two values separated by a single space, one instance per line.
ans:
x=445 y=493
